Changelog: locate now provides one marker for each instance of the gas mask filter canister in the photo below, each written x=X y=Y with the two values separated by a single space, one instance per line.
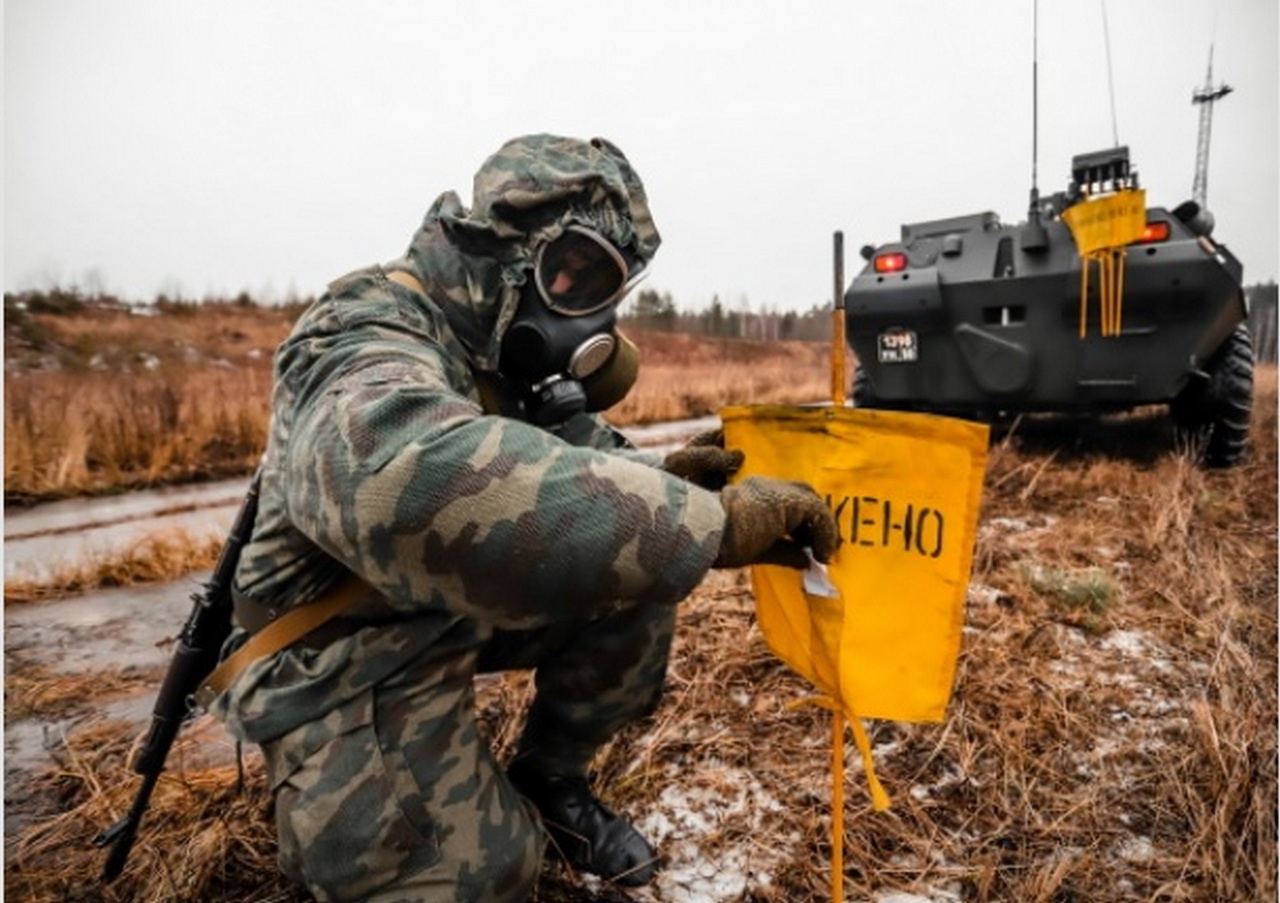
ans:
x=564 y=330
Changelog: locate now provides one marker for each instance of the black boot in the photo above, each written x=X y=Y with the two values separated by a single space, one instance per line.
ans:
x=586 y=833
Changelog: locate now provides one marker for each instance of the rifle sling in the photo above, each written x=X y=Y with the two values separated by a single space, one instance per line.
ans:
x=284 y=631
x=408 y=280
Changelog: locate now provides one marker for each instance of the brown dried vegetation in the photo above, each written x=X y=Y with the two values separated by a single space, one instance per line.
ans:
x=115 y=401
x=1112 y=735
x=160 y=557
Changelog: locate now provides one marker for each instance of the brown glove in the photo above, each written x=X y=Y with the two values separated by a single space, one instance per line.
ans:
x=704 y=461
x=773 y=522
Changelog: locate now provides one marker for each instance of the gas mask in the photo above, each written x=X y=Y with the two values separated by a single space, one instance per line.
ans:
x=562 y=348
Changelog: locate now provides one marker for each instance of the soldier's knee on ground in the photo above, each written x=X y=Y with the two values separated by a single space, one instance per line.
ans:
x=355 y=840
x=500 y=869
x=363 y=816
x=341 y=829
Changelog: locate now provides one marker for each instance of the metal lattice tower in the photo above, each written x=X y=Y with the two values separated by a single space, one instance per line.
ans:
x=1205 y=97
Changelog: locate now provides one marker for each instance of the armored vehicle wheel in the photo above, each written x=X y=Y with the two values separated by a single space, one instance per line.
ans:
x=864 y=395
x=1214 y=416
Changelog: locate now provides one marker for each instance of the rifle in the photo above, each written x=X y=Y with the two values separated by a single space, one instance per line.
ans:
x=199 y=648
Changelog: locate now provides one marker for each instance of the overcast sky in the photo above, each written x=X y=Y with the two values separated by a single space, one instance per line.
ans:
x=272 y=145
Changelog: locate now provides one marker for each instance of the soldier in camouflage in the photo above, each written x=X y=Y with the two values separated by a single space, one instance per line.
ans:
x=434 y=432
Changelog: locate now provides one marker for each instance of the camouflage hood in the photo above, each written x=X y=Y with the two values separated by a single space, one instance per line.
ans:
x=474 y=261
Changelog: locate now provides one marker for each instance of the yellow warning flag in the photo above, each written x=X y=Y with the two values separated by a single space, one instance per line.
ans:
x=905 y=489
x=1102 y=227
x=1109 y=221
x=877 y=632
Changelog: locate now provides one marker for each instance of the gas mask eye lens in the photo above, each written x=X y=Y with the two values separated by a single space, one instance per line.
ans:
x=579 y=272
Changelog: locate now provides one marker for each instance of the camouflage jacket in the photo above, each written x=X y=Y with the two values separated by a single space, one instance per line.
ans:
x=381 y=460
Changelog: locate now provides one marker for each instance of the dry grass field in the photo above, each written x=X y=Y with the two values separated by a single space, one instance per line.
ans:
x=111 y=401
x=1111 y=737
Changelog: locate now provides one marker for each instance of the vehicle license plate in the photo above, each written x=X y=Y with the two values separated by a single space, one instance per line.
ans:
x=898 y=346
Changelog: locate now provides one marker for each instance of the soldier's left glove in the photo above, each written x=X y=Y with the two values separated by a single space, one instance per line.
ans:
x=704 y=461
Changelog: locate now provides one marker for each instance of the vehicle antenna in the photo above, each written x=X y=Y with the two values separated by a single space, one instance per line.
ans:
x=1034 y=236
x=1035 y=97
x=1111 y=87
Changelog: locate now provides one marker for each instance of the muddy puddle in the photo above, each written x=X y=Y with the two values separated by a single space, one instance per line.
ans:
x=86 y=643
x=40 y=541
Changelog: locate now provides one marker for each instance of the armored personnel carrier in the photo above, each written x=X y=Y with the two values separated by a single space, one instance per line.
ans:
x=970 y=317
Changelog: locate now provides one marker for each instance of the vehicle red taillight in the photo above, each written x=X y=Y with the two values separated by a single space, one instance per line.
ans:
x=893 y=262
x=1154 y=232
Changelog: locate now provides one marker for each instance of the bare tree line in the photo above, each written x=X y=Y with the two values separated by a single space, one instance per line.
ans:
x=1261 y=299
x=657 y=311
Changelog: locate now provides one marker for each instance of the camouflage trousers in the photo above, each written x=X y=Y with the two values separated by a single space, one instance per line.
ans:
x=404 y=801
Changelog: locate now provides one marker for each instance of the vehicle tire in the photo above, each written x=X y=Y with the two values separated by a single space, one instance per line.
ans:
x=1214 y=416
x=864 y=395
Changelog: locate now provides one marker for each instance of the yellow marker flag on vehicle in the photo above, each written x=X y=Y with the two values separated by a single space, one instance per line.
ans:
x=879 y=633
x=1102 y=227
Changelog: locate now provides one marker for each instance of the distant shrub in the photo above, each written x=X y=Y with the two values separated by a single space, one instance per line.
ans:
x=59 y=302
x=24 y=328
x=176 y=306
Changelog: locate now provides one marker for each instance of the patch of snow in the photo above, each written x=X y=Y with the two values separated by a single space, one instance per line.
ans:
x=1008 y=524
x=1130 y=642
x=1017 y=524
x=953 y=775
x=931 y=895
x=984 y=595
x=710 y=840
x=1138 y=645
x=1137 y=848
x=884 y=750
